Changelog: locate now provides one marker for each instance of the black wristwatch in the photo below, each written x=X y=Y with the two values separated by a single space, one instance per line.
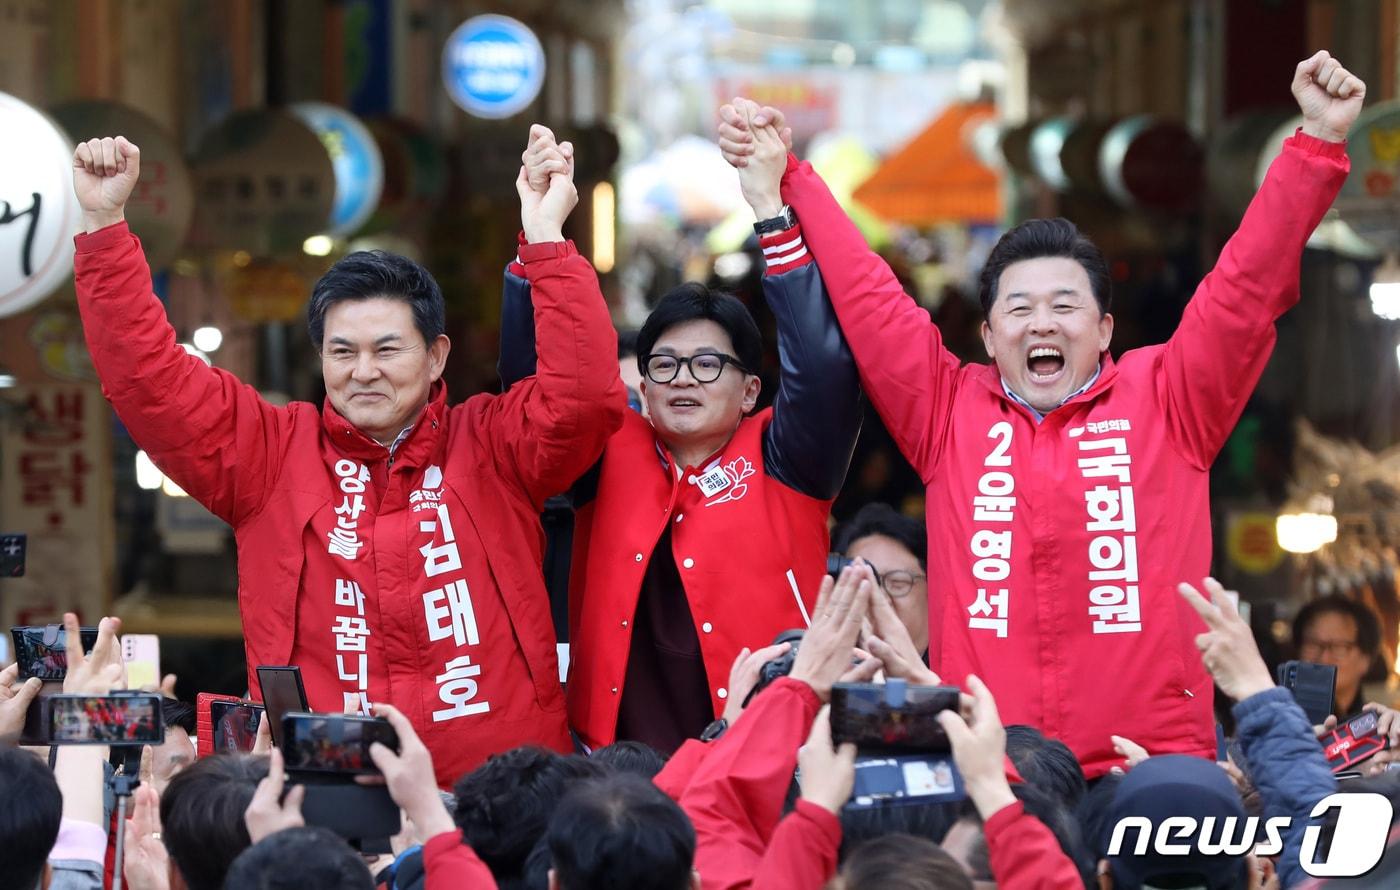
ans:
x=714 y=730
x=773 y=225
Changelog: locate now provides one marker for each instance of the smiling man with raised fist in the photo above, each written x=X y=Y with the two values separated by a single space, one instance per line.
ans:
x=388 y=543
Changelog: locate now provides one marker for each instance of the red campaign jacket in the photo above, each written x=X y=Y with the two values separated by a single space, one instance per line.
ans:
x=735 y=797
x=739 y=554
x=449 y=864
x=1024 y=855
x=413 y=579
x=1055 y=548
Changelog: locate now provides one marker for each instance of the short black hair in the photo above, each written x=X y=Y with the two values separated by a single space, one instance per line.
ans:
x=297 y=858
x=902 y=862
x=1095 y=814
x=1368 y=626
x=694 y=301
x=504 y=805
x=637 y=758
x=621 y=832
x=930 y=820
x=201 y=815
x=882 y=519
x=29 y=821
x=1046 y=763
x=174 y=712
x=366 y=274
x=1036 y=238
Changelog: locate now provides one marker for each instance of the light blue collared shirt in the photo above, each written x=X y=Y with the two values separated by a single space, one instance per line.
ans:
x=1036 y=414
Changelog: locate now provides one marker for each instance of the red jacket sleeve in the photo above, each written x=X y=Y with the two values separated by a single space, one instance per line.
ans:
x=1024 y=854
x=551 y=428
x=1211 y=364
x=449 y=864
x=675 y=776
x=802 y=855
x=736 y=796
x=208 y=431
x=905 y=368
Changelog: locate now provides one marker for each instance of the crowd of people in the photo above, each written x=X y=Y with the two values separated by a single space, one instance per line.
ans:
x=390 y=546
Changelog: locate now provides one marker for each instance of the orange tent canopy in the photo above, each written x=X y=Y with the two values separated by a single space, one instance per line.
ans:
x=936 y=178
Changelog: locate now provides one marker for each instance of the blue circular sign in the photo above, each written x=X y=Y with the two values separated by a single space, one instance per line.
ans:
x=493 y=66
x=359 y=167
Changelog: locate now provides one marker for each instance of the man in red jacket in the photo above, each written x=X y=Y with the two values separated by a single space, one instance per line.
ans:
x=388 y=544
x=1067 y=492
x=703 y=528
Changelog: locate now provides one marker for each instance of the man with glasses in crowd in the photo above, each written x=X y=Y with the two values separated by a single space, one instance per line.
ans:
x=896 y=548
x=703 y=531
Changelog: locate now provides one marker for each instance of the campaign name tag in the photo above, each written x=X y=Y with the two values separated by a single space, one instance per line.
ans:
x=713 y=482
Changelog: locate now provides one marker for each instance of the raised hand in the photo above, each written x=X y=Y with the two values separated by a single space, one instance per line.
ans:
x=100 y=672
x=544 y=156
x=409 y=775
x=542 y=215
x=146 y=865
x=743 y=676
x=736 y=139
x=14 y=701
x=1227 y=648
x=269 y=811
x=979 y=747
x=828 y=772
x=825 y=655
x=104 y=173
x=1329 y=95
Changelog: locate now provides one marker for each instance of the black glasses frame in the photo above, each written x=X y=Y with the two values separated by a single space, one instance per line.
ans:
x=686 y=361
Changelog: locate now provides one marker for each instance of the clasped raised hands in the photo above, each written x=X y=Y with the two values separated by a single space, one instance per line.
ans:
x=546 y=186
x=756 y=140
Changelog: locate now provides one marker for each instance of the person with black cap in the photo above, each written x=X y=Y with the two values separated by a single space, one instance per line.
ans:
x=1173 y=786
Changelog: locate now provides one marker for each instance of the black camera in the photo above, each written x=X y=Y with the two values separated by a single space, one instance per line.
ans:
x=835 y=562
x=777 y=667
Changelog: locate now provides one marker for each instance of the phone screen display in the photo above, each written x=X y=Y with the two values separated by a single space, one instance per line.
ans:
x=234 y=725
x=41 y=651
x=334 y=743
x=881 y=718
x=105 y=719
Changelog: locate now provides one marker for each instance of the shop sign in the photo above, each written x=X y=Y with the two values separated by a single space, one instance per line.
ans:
x=56 y=488
x=359 y=167
x=162 y=203
x=39 y=214
x=493 y=66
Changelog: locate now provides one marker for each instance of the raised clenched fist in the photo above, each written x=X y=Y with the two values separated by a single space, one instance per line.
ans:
x=104 y=173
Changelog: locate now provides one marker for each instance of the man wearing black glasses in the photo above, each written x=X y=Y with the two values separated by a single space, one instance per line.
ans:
x=703 y=532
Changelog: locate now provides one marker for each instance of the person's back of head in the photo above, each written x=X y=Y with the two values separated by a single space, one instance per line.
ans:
x=296 y=859
x=930 y=821
x=901 y=862
x=504 y=805
x=201 y=815
x=1046 y=763
x=637 y=758
x=29 y=819
x=620 y=832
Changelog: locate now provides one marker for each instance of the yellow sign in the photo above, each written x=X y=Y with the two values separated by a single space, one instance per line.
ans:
x=1251 y=543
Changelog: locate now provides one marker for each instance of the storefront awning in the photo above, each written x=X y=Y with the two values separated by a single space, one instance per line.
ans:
x=936 y=178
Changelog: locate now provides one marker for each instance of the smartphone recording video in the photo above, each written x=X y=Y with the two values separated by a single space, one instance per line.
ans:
x=41 y=651
x=891 y=718
x=119 y=718
x=234 y=726
x=334 y=743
